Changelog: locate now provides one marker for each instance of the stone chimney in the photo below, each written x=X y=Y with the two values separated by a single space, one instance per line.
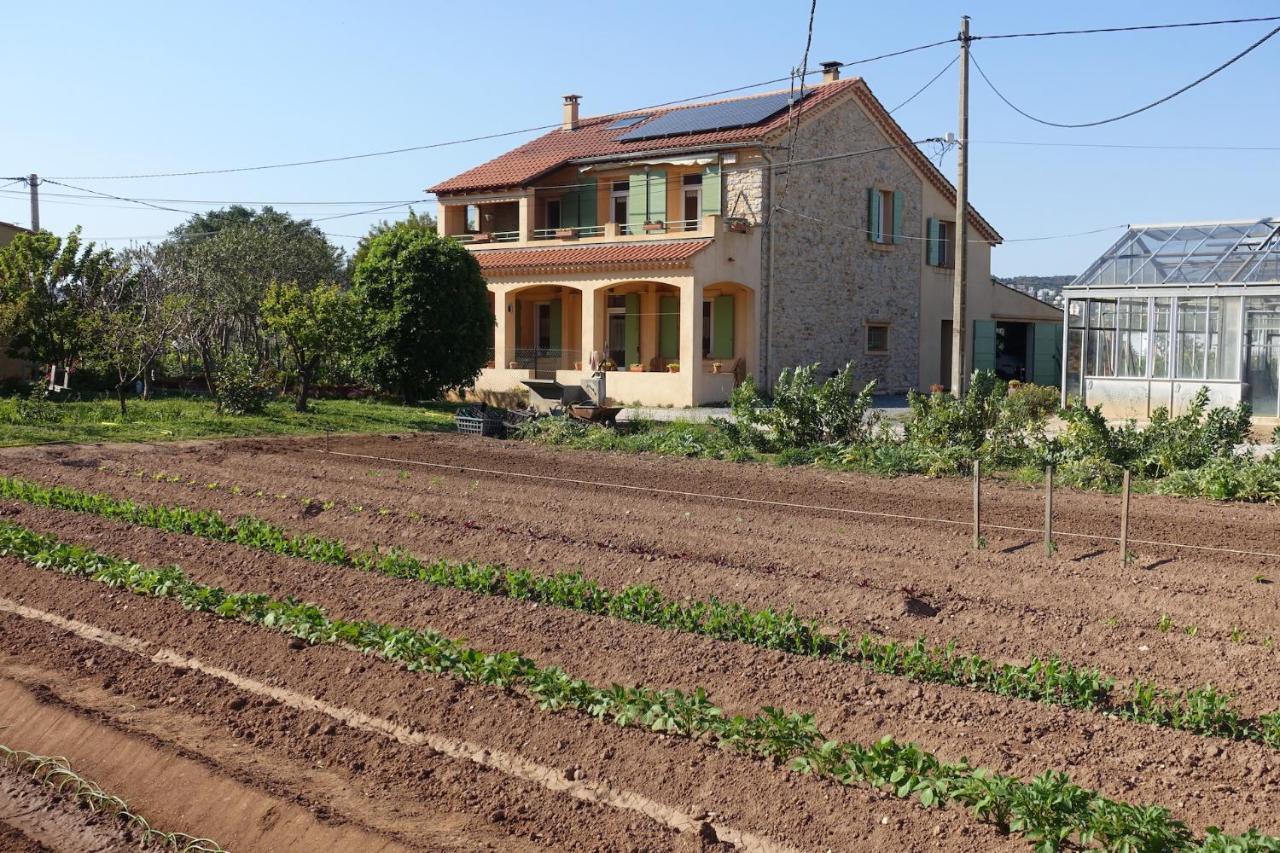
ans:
x=571 y=112
x=830 y=72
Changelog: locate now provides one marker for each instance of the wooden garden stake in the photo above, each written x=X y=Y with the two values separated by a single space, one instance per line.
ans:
x=1124 y=520
x=977 y=504
x=1048 y=511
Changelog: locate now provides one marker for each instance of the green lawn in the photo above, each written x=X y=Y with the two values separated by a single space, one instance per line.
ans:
x=173 y=419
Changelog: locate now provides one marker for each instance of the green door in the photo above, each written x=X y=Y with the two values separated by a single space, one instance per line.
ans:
x=984 y=345
x=669 y=327
x=631 y=338
x=1047 y=367
x=711 y=190
x=722 y=327
x=556 y=323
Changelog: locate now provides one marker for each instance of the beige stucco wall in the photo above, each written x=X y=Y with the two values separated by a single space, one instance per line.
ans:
x=984 y=299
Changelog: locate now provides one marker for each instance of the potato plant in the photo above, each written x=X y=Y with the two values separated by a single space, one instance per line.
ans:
x=1050 y=680
x=1050 y=811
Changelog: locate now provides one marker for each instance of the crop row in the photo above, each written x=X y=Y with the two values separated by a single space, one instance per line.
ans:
x=1202 y=710
x=55 y=772
x=1050 y=810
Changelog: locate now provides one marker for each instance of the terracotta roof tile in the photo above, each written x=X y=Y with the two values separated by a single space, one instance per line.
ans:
x=636 y=253
x=594 y=138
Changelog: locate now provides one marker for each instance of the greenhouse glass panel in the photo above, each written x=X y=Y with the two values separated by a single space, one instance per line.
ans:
x=1131 y=337
x=1161 y=345
x=1224 y=338
x=1102 y=337
x=1191 y=338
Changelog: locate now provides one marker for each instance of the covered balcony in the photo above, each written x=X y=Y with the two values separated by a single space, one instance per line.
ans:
x=592 y=203
x=660 y=343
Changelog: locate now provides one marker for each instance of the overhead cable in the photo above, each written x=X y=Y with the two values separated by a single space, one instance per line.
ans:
x=1202 y=78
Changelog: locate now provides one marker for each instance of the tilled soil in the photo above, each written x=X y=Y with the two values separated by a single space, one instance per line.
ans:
x=734 y=795
x=897 y=576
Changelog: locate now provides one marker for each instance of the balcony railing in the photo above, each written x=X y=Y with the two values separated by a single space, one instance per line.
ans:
x=491 y=237
x=569 y=233
x=543 y=362
x=669 y=227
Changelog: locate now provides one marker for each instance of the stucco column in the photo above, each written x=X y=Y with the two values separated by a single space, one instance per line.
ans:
x=690 y=337
x=501 y=331
x=589 y=344
x=526 y=204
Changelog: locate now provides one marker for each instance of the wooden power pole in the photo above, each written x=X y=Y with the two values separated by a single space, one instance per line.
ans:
x=958 y=319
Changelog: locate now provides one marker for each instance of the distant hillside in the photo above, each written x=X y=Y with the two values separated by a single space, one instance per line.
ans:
x=1046 y=288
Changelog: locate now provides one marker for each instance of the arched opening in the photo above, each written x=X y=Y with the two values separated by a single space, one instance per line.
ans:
x=726 y=330
x=544 y=329
x=638 y=325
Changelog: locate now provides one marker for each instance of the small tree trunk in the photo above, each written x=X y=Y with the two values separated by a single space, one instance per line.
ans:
x=120 y=386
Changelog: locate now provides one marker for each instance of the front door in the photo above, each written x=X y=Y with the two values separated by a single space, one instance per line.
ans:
x=1262 y=368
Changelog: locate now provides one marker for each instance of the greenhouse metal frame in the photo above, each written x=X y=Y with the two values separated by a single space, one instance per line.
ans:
x=1171 y=309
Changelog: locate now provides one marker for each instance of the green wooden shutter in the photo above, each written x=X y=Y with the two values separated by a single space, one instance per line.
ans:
x=637 y=192
x=669 y=327
x=935 y=242
x=557 y=317
x=711 y=190
x=586 y=211
x=1047 y=367
x=631 y=335
x=657 y=195
x=873 y=213
x=897 y=217
x=722 y=327
x=569 y=209
x=984 y=345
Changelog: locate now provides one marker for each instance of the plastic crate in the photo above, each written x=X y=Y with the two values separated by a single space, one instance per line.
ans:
x=488 y=424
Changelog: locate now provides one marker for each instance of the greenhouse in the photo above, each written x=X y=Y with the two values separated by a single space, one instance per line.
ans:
x=1170 y=309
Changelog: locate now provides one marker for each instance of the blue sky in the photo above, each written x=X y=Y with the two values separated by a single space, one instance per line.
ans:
x=128 y=87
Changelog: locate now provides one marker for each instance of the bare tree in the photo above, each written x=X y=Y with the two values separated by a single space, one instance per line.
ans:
x=134 y=315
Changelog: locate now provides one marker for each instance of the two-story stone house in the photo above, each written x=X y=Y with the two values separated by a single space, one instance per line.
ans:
x=684 y=248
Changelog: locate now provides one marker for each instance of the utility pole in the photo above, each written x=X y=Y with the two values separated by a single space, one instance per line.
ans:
x=958 y=319
x=33 y=183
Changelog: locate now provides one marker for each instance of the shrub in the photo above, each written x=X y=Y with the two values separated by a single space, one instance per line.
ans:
x=804 y=412
x=240 y=388
x=36 y=407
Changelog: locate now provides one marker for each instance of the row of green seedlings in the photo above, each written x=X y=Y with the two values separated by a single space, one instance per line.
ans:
x=55 y=772
x=1050 y=811
x=1202 y=710
x=1164 y=623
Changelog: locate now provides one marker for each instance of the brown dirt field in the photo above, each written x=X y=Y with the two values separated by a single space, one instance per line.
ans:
x=1009 y=601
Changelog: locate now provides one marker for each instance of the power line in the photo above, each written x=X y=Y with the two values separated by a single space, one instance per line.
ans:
x=486 y=137
x=228 y=201
x=1137 y=28
x=858 y=230
x=1129 y=146
x=922 y=89
x=1133 y=112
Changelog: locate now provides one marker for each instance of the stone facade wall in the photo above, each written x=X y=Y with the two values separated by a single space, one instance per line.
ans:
x=744 y=193
x=828 y=279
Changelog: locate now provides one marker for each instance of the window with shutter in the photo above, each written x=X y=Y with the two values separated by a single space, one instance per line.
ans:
x=722 y=328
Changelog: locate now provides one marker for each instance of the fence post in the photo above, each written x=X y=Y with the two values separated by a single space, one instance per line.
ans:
x=1049 y=546
x=1124 y=520
x=977 y=504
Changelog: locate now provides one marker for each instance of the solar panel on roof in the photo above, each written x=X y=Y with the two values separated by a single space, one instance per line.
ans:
x=740 y=113
x=629 y=121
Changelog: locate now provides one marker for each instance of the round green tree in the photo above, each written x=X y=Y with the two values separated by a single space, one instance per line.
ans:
x=426 y=313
